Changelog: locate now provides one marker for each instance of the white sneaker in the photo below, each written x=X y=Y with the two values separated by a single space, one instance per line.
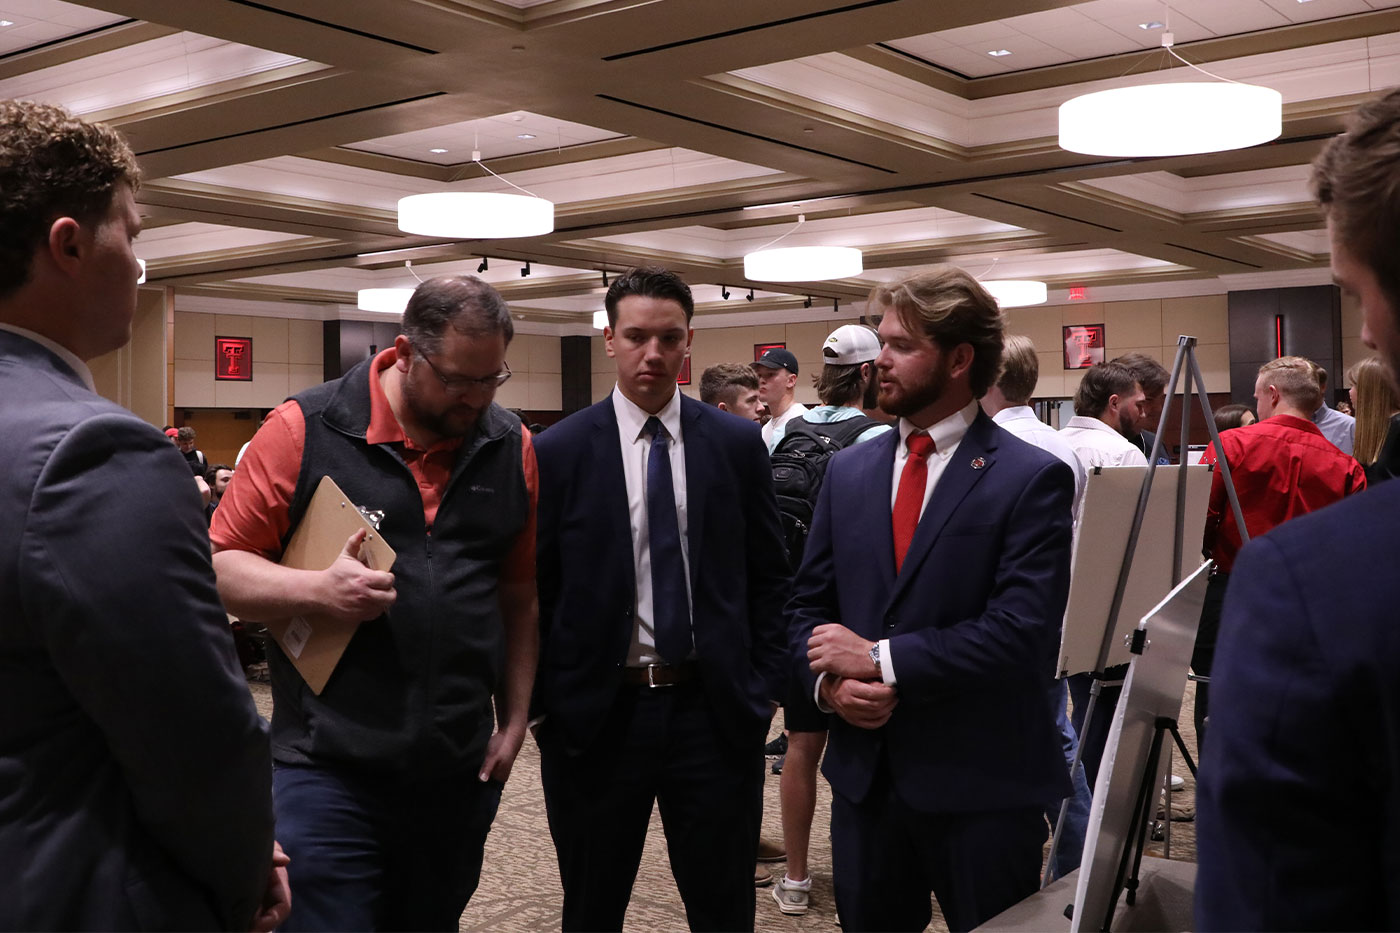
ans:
x=792 y=895
x=1178 y=782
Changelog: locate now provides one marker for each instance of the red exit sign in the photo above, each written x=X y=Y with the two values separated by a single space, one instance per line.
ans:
x=233 y=358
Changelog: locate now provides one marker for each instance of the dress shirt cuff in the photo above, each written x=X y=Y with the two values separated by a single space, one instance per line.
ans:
x=886 y=662
x=817 y=695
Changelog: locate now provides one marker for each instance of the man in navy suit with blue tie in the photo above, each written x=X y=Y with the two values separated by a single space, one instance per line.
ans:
x=662 y=579
x=927 y=614
x=1298 y=809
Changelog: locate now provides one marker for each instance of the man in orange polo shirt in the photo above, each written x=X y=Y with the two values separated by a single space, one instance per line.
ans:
x=386 y=784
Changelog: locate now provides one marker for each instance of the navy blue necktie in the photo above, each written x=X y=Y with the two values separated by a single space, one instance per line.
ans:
x=670 y=606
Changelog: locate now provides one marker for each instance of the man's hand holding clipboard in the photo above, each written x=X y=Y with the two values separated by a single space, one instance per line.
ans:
x=360 y=592
x=336 y=539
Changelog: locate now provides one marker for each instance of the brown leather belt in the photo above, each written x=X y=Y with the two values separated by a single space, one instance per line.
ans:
x=661 y=675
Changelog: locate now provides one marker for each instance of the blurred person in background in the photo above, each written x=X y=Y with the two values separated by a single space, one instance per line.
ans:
x=1233 y=416
x=732 y=387
x=1377 y=420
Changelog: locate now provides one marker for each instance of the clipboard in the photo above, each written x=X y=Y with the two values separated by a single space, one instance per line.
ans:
x=315 y=643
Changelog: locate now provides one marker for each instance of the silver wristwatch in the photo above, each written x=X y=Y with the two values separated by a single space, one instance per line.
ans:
x=875 y=659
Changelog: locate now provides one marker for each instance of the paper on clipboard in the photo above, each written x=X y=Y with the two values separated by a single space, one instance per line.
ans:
x=315 y=643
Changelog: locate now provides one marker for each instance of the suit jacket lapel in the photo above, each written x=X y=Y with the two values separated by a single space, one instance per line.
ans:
x=877 y=476
x=611 y=480
x=958 y=479
x=696 y=482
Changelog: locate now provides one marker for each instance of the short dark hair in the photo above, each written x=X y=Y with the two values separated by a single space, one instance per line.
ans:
x=950 y=308
x=1101 y=382
x=721 y=382
x=186 y=433
x=472 y=307
x=1356 y=179
x=1150 y=374
x=212 y=472
x=52 y=165
x=649 y=282
x=841 y=384
x=1020 y=369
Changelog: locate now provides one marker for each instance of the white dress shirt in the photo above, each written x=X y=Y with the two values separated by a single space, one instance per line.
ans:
x=1021 y=421
x=1096 y=444
x=947 y=435
x=775 y=428
x=62 y=352
x=636 y=448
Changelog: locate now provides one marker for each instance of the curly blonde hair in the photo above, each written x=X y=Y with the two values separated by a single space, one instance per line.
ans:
x=52 y=165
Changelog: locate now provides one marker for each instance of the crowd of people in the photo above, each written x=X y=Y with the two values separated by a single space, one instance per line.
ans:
x=642 y=586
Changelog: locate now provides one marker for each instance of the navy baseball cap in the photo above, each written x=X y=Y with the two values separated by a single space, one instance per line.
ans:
x=778 y=358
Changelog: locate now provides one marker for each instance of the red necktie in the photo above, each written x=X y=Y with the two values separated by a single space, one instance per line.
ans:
x=909 y=500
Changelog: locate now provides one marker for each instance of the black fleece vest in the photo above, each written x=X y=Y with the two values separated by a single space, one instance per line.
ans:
x=412 y=693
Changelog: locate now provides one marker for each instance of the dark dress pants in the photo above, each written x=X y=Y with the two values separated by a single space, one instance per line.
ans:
x=1092 y=744
x=1203 y=655
x=660 y=746
x=371 y=852
x=887 y=858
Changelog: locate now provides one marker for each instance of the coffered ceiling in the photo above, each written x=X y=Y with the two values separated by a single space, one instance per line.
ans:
x=276 y=139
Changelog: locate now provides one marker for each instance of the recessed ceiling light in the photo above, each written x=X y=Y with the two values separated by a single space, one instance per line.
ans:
x=998 y=53
x=6 y=22
x=437 y=151
x=526 y=136
x=1151 y=25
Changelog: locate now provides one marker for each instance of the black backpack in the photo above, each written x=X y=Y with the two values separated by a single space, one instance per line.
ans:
x=799 y=464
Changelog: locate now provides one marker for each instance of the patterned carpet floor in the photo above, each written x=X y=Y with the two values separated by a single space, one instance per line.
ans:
x=520 y=890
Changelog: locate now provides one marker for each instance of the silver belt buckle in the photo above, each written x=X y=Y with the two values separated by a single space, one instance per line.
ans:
x=651 y=677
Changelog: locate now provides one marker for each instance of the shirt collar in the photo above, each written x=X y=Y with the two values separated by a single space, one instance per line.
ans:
x=1015 y=413
x=383 y=427
x=1095 y=424
x=69 y=358
x=632 y=420
x=1293 y=421
x=946 y=434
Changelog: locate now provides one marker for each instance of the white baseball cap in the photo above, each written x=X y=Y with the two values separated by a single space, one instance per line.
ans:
x=850 y=343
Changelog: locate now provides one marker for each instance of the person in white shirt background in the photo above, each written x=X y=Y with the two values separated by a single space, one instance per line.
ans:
x=777 y=382
x=1107 y=408
x=1008 y=402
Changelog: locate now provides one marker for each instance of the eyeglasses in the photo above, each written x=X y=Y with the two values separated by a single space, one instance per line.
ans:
x=460 y=384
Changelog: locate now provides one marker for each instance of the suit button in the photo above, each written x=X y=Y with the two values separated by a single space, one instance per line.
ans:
x=627 y=613
x=890 y=621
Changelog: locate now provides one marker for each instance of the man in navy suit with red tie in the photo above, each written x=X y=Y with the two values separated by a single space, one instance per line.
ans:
x=926 y=614
x=662 y=578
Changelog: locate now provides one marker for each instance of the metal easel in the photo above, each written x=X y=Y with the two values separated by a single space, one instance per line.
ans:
x=1185 y=358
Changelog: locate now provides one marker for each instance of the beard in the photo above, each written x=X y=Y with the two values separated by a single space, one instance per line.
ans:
x=910 y=398
x=454 y=420
x=1127 y=425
